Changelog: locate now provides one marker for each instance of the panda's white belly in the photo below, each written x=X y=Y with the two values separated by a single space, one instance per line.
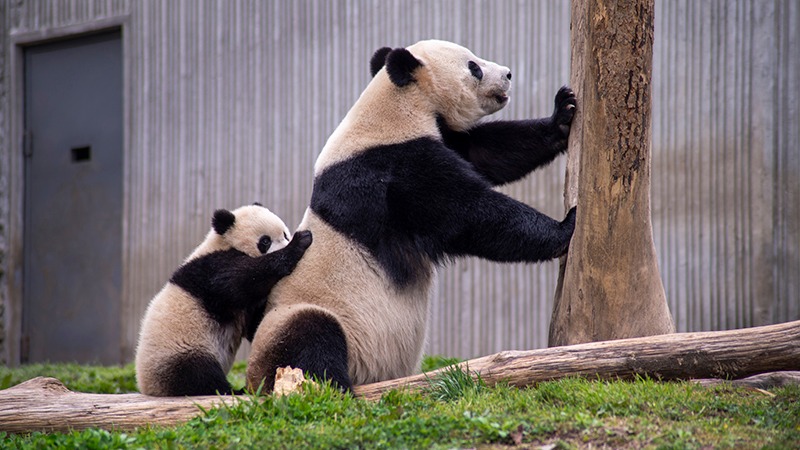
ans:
x=385 y=327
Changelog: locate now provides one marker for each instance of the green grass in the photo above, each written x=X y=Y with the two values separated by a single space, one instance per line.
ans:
x=98 y=379
x=457 y=411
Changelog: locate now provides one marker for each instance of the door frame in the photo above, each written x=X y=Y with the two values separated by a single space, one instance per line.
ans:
x=16 y=165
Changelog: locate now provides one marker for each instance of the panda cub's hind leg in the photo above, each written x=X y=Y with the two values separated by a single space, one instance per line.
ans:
x=304 y=337
x=194 y=373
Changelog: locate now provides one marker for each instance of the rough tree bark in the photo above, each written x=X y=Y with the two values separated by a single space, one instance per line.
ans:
x=44 y=404
x=609 y=285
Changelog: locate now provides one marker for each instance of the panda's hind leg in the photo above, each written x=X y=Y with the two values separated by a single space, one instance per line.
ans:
x=301 y=336
x=194 y=373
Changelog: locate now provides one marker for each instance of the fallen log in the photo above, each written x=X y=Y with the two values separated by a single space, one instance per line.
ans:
x=680 y=356
x=44 y=404
x=768 y=380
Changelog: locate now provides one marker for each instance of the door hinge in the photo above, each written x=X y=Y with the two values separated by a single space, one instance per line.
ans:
x=27 y=144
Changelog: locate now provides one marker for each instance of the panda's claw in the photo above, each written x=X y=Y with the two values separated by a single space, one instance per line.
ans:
x=568 y=227
x=565 y=105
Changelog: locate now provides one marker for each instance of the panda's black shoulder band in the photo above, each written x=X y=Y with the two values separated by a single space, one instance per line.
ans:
x=222 y=221
x=400 y=65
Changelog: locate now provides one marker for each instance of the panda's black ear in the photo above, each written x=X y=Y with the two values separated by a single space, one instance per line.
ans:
x=257 y=204
x=222 y=221
x=378 y=60
x=400 y=65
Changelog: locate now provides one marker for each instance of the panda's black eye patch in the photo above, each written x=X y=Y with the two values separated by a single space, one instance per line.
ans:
x=264 y=244
x=475 y=70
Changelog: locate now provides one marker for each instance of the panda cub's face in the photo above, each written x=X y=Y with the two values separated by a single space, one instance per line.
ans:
x=464 y=87
x=252 y=229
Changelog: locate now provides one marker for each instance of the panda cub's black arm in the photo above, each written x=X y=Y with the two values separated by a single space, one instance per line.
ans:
x=256 y=276
x=505 y=151
x=281 y=263
x=227 y=282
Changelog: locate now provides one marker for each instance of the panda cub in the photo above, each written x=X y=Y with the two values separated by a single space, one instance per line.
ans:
x=405 y=183
x=193 y=327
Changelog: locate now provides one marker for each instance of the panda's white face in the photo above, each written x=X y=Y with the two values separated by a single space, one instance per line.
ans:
x=464 y=87
x=256 y=231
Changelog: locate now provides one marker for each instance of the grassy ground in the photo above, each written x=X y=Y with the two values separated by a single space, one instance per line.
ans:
x=455 y=412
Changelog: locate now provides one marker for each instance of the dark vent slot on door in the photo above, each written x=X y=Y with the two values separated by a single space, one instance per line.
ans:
x=81 y=154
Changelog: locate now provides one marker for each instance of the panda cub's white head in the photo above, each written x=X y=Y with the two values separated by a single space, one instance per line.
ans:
x=252 y=229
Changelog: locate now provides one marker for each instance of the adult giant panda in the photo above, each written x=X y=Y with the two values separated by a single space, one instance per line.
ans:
x=404 y=183
x=193 y=327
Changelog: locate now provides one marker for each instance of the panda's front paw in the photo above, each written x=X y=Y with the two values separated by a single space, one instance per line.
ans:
x=564 y=112
x=568 y=228
x=569 y=221
x=301 y=240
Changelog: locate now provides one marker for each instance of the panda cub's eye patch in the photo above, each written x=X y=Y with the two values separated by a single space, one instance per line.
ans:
x=475 y=70
x=264 y=244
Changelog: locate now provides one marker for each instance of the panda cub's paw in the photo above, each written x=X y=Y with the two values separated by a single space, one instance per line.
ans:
x=283 y=261
x=301 y=240
x=564 y=112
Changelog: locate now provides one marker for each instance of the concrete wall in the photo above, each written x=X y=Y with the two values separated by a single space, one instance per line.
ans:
x=4 y=144
x=725 y=161
x=228 y=102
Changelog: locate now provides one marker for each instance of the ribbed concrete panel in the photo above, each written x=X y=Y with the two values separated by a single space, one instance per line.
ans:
x=229 y=102
x=233 y=101
x=4 y=183
x=37 y=15
x=483 y=307
x=785 y=178
x=725 y=129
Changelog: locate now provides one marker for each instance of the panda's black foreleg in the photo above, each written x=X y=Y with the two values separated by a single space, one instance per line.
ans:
x=195 y=373
x=311 y=340
x=507 y=150
x=499 y=228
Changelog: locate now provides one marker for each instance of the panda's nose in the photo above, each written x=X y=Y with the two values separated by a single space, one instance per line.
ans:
x=508 y=75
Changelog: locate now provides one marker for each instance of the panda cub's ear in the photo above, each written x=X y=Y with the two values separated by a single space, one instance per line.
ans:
x=400 y=65
x=378 y=60
x=222 y=221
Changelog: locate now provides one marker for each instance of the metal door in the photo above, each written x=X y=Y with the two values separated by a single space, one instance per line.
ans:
x=73 y=201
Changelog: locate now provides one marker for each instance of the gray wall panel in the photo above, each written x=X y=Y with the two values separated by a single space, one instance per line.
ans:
x=723 y=203
x=785 y=178
x=229 y=102
x=5 y=310
x=237 y=99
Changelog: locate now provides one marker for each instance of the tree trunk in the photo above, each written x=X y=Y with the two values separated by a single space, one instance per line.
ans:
x=609 y=285
x=44 y=404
